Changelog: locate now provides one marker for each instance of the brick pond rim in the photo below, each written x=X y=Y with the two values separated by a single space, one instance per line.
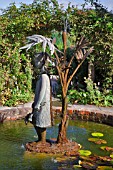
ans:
x=84 y=112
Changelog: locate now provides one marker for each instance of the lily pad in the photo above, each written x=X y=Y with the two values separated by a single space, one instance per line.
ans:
x=111 y=156
x=97 y=141
x=104 y=168
x=77 y=166
x=61 y=159
x=105 y=158
x=85 y=152
x=88 y=165
x=97 y=134
x=106 y=148
x=89 y=158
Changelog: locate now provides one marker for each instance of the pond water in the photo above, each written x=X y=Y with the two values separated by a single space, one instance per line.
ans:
x=15 y=134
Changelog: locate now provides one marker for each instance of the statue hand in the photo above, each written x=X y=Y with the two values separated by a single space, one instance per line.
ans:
x=28 y=118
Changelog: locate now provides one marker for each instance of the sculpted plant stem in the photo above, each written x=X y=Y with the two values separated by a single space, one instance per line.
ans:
x=62 y=137
x=63 y=69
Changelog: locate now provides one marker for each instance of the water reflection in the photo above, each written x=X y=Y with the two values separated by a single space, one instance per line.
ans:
x=14 y=135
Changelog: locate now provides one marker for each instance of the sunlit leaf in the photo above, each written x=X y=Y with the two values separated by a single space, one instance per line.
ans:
x=85 y=152
x=97 y=141
x=107 y=148
x=105 y=158
x=111 y=156
x=104 y=168
x=88 y=165
x=77 y=166
x=97 y=134
x=61 y=159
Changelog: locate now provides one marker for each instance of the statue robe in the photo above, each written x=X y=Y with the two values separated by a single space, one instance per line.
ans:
x=41 y=114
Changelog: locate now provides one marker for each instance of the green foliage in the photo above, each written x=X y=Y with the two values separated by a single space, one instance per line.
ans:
x=42 y=17
x=16 y=78
x=91 y=96
x=97 y=26
x=15 y=25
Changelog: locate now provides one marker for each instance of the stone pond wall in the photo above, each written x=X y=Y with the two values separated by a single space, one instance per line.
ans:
x=84 y=112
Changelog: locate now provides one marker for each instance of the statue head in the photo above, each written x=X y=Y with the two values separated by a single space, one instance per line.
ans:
x=41 y=61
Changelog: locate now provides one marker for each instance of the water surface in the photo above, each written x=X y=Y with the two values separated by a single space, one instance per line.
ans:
x=15 y=134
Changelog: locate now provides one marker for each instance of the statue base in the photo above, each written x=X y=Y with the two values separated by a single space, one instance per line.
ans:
x=52 y=147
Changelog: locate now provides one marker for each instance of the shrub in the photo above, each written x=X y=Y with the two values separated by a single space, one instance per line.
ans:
x=16 y=78
x=92 y=95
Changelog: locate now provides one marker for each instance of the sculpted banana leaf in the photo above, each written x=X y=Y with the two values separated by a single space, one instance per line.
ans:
x=36 y=39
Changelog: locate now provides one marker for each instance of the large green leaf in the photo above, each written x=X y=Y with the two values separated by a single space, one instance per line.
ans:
x=97 y=141
x=85 y=152
x=97 y=134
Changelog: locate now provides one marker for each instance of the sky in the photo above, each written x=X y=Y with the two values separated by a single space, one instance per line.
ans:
x=107 y=3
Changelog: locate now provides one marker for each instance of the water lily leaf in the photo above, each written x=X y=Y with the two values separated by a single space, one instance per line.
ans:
x=77 y=166
x=104 y=168
x=97 y=141
x=61 y=159
x=85 y=152
x=89 y=158
x=105 y=158
x=88 y=165
x=97 y=134
x=103 y=148
x=107 y=148
x=92 y=139
x=111 y=156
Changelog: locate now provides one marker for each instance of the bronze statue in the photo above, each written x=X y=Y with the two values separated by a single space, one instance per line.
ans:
x=40 y=116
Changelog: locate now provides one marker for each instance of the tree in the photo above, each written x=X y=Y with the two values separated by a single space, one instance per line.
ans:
x=97 y=25
x=63 y=68
x=15 y=25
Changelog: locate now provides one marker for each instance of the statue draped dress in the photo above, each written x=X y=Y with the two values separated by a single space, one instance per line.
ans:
x=41 y=114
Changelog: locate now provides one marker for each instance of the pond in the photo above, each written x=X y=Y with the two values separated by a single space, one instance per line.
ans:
x=15 y=134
